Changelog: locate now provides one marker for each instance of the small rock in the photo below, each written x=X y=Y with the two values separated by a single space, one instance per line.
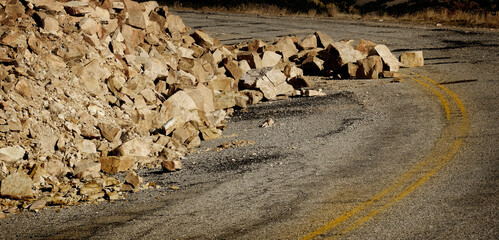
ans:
x=268 y=123
x=37 y=205
x=133 y=179
x=171 y=165
x=17 y=185
x=11 y=154
x=412 y=59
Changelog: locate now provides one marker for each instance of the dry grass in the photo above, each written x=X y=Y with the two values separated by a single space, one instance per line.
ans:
x=459 y=18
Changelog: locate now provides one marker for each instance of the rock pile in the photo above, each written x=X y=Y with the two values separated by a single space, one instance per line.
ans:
x=92 y=88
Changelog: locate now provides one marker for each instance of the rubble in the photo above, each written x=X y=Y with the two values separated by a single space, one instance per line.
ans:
x=93 y=88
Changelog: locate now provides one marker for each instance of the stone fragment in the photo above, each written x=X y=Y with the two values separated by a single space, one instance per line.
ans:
x=37 y=205
x=313 y=93
x=390 y=62
x=412 y=59
x=136 y=18
x=286 y=46
x=308 y=42
x=17 y=185
x=256 y=45
x=365 y=46
x=77 y=8
x=233 y=69
x=50 y=25
x=86 y=146
x=388 y=74
x=87 y=169
x=313 y=65
x=254 y=96
x=115 y=164
x=24 y=88
x=136 y=147
x=268 y=123
x=270 y=59
x=176 y=26
x=339 y=54
x=202 y=39
x=171 y=165
x=369 y=67
x=252 y=58
x=134 y=179
x=292 y=71
x=109 y=131
x=323 y=39
x=11 y=154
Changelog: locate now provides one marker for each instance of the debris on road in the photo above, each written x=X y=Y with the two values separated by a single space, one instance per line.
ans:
x=92 y=88
x=268 y=123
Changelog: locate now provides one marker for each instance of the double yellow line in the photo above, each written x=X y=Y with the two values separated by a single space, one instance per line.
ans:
x=446 y=146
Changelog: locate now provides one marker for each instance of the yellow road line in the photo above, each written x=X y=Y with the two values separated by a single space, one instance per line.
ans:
x=440 y=160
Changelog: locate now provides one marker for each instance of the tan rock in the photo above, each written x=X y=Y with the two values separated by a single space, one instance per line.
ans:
x=365 y=46
x=137 y=18
x=24 y=88
x=202 y=39
x=308 y=42
x=114 y=164
x=390 y=62
x=110 y=132
x=286 y=46
x=256 y=45
x=412 y=59
x=225 y=100
x=185 y=132
x=134 y=179
x=233 y=69
x=50 y=25
x=137 y=147
x=270 y=59
x=388 y=74
x=77 y=8
x=267 y=88
x=351 y=69
x=171 y=165
x=86 y=146
x=210 y=133
x=176 y=26
x=292 y=71
x=369 y=67
x=242 y=100
x=17 y=185
x=339 y=54
x=38 y=205
x=87 y=169
x=11 y=154
x=252 y=58
x=323 y=39
x=254 y=96
x=313 y=93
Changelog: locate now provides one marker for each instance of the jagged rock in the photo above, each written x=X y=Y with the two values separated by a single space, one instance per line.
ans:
x=252 y=58
x=233 y=69
x=412 y=59
x=77 y=8
x=11 y=154
x=323 y=40
x=171 y=165
x=388 y=74
x=369 y=67
x=365 y=46
x=390 y=62
x=203 y=39
x=339 y=54
x=134 y=179
x=256 y=45
x=87 y=169
x=308 y=42
x=137 y=147
x=17 y=185
x=270 y=59
x=114 y=164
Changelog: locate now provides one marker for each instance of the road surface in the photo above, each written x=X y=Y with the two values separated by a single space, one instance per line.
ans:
x=374 y=159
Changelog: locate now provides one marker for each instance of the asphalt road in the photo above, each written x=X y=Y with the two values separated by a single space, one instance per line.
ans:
x=375 y=159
